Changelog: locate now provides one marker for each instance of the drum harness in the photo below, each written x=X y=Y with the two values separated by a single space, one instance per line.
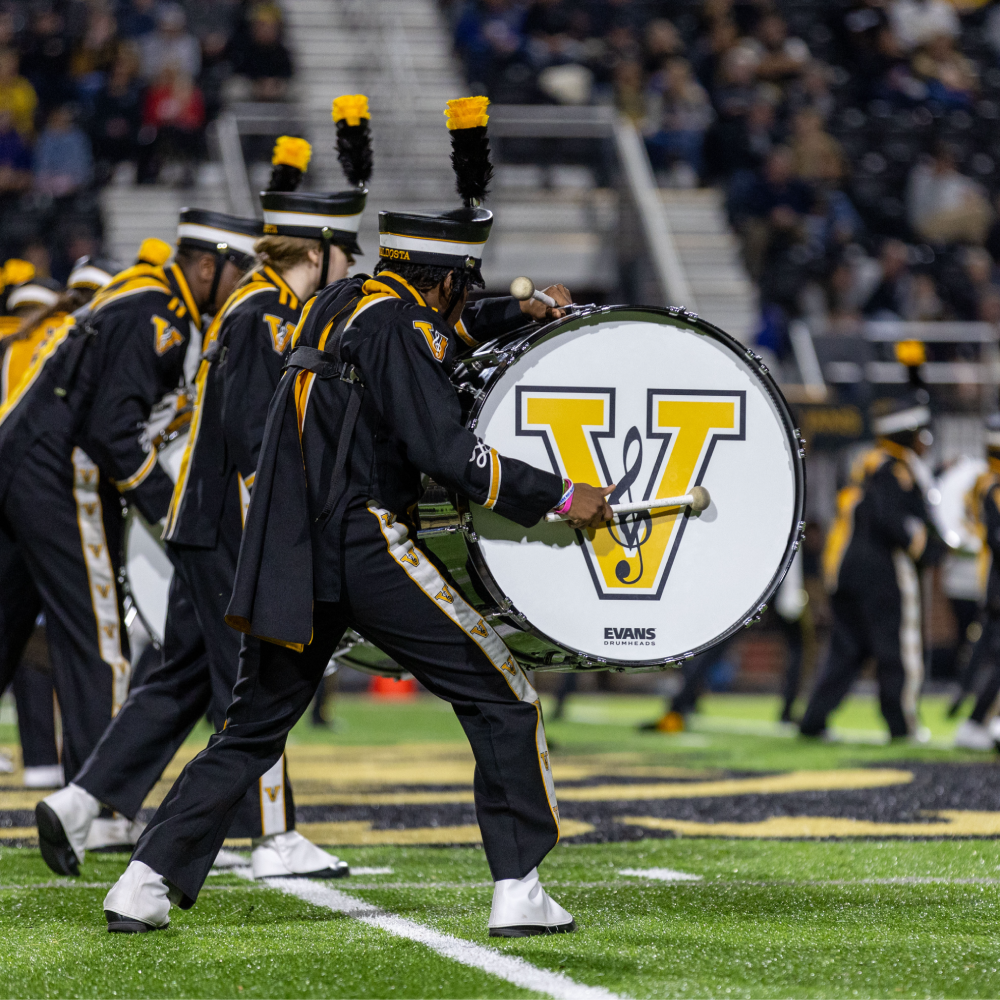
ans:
x=326 y=365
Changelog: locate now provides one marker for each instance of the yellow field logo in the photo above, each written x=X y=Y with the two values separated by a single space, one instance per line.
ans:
x=630 y=559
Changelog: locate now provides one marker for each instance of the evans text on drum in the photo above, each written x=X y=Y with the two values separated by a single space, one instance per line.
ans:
x=656 y=401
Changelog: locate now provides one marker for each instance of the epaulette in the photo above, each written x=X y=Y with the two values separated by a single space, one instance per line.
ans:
x=137 y=278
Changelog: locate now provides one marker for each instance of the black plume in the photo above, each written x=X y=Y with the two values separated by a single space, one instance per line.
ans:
x=470 y=159
x=354 y=151
x=284 y=177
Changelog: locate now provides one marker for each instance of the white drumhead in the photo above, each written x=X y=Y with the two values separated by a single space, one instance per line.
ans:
x=147 y=567
x=640 y=399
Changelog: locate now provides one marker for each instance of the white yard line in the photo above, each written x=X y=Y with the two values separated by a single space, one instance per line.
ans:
x=509 y=967
x=371 y=871
x=660 y=874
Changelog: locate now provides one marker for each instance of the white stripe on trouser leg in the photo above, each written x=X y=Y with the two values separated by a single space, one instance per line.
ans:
x=426 y=576
x=272 y=799
x=910 y=646
x=100 y=574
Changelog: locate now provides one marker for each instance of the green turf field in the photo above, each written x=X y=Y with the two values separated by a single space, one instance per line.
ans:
x=909 y=913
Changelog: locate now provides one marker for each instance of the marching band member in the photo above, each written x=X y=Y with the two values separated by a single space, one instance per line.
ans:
x=881 y=536
x=243 y=356
x=983 y=508
x=74 y=432
x=329 y=544
x=37 y=309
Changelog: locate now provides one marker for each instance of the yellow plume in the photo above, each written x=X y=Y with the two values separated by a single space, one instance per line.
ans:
x=911 y=353
x=16 y=271
x=154 y=251
x=352 y=107
x=467 y=112
x=292 y=152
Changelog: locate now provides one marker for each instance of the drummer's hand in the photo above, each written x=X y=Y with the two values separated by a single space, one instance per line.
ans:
x=540 y=311
x=590 y=507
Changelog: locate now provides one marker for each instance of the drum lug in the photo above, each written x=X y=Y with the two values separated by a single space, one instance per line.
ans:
x=755 y=617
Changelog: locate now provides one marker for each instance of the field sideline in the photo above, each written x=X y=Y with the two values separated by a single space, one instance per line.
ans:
x=784 y=903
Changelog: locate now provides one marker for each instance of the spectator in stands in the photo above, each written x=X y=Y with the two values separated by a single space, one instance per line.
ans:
x=811 y=90
x=96 y=50
x=736 y=149
x=630 y=91
x=685 y=113
x=945 y=206
x=117 y=116
x=16 y=94
x=779 y=57
x=488 y=36
x=174 y=124
x=170 y=45
x=15 y=158
x=891 y=294
x=857 y=27
x=45 y=59
x=736 y=85
x=214 y=23
x=63 y=161
x=710 y=50
x=951 y=78
x=663 y=43
x=819 y=158
x=776 y=208
x=137 y=18
x=916 y=22
x=263 y=58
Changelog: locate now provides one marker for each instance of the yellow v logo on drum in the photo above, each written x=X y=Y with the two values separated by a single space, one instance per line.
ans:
x=631 y=559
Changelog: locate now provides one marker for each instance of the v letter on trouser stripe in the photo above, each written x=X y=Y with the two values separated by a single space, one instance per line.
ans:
x=100 y=574
x=427 y=577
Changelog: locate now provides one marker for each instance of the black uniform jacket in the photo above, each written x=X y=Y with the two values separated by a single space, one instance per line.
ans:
x=242 y=360
x=410 y=422
x=880 y=512
x=97 y=379
x=983 y=504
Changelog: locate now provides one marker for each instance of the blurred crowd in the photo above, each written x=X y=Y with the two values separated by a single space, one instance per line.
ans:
x=95 y=91
x=856 y=140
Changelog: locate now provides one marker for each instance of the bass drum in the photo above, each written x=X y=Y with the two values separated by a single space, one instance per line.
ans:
x=147 y=569
x=656 y=401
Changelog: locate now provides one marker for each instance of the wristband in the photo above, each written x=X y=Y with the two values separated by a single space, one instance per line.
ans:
x=566 y=500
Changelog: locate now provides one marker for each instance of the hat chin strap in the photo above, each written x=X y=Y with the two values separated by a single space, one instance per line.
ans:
x=459 y=286
x=326 y=237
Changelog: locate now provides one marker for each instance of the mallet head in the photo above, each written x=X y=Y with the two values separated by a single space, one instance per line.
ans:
x=522 y=288
x=700 y=498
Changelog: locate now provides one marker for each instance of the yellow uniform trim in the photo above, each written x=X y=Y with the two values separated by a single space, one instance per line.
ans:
x=140 y=474
x=258 y=284
x=495 y=473
x=465 y=335
x=36 y=367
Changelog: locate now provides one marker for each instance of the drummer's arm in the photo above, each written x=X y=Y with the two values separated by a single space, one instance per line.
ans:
x=488 y=318
x=115 y=432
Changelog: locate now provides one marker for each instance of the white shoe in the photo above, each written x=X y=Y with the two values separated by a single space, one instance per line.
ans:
x=290 y=855
x=139 y=901
x=46 y=776
x=64 y=820
x=974 y=736
x=117 y=834
x=994 y=728
x=7 y=766
x=522 y=907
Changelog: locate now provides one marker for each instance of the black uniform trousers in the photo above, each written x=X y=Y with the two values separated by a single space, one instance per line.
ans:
x=32 y=687
x=987 y=650
x=65 y=522
x=870 y=625
x=195 y=677
x=399 y=598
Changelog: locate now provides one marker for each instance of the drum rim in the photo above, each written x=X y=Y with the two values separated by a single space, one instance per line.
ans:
x=513 y=351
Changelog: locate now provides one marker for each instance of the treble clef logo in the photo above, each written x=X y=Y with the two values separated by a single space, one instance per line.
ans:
x=635 y=528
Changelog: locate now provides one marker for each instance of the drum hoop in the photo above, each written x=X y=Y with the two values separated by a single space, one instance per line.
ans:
x=513 y=351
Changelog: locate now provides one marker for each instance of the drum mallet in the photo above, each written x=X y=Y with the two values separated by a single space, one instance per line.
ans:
x=524 y=288
x=698 y=500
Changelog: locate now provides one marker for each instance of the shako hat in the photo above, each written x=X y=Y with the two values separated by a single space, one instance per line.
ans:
x=899 y=416
x=332 y=217
x=92 y=273
x=36 y=292
x=229 y=236
x=457 y=238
